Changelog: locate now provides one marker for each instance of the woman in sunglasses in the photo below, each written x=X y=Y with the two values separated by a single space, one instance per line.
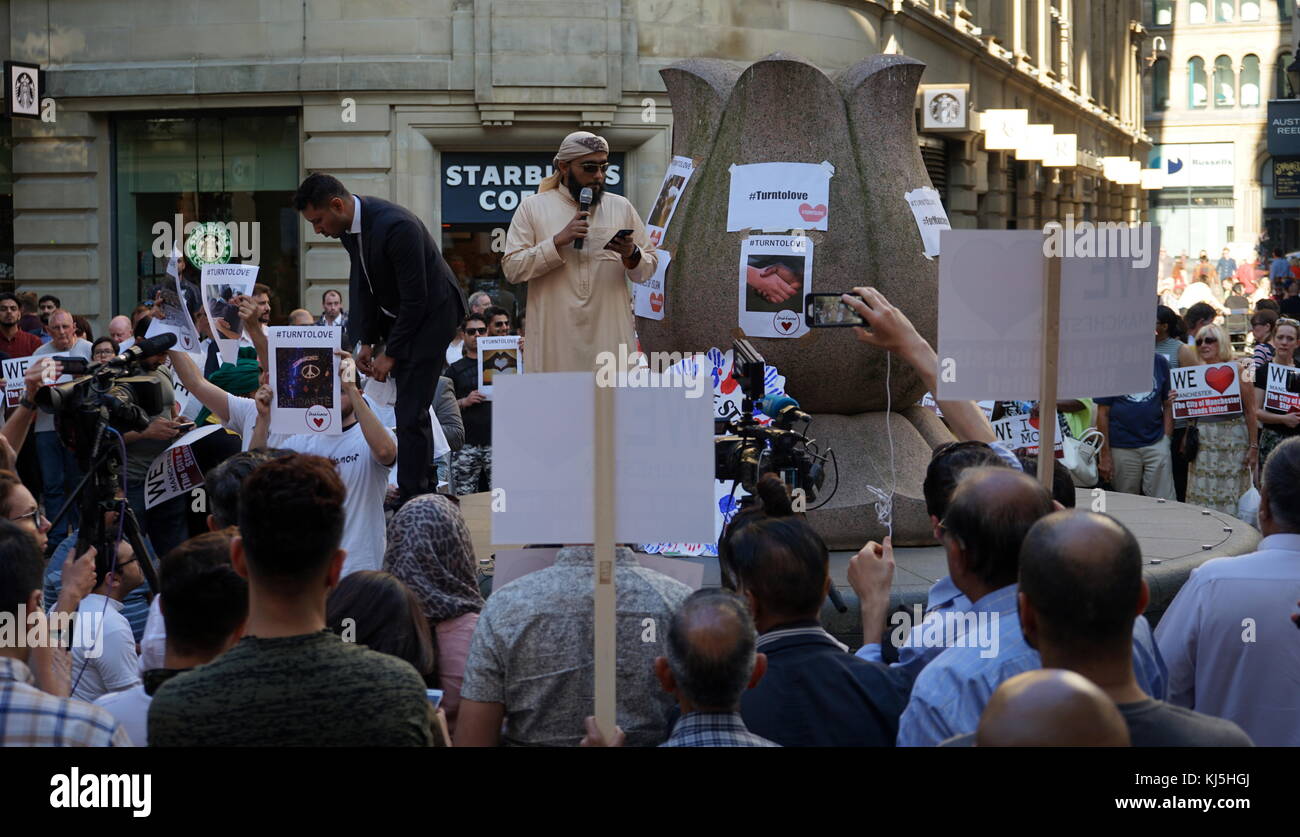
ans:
x=1261 y=332
x=1229 y=445
x=1280 y=421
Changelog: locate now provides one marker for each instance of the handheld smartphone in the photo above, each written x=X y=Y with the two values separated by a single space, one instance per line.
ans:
x=185 y=427
x=435 y=696
x=828 y=311
x=618 y=235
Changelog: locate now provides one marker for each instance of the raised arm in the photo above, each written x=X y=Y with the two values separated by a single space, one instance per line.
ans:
x=383 y=447
x=209 y=394
x=15 y=430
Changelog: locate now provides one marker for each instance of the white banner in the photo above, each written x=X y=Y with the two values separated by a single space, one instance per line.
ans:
x=1208 y=390
x=1277 y=396
x=649 y=297
x=930 y=217
x=175 y=319
x=305 y=378
x=780 y=196
x=14 y=371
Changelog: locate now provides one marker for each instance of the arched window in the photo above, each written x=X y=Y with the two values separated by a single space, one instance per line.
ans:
x=1198 y=12
x=1225 y=83
x=1249 y=10
x=1281 y=86
x=1160 y=85
x=1164 y=12
x=1196 y=83
x=1285 y=8
x=1250 y=81
x=1223 y=11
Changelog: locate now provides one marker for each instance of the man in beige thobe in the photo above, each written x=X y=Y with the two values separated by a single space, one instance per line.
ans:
x=578 y=302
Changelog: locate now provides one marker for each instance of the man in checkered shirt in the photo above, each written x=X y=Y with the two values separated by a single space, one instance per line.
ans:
x=30 y=717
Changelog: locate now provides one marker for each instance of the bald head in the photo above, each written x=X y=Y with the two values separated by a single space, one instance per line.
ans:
x=301 y=317
x=1081 y=574
x=119 y=328
x=991 y=511
x=1051 y=708
x=711 y=649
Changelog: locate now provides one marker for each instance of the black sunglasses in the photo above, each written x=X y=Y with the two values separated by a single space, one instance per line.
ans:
x=476 y=330
x=1201 y=341
x=592 y=168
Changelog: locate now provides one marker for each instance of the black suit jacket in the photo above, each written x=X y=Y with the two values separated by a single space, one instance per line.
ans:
x=405 y=274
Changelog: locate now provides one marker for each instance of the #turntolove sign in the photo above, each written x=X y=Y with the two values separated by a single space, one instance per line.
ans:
x=1208 y=390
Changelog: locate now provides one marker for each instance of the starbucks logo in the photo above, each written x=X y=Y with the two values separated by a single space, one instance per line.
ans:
x=209 y=243
x=25 y=91
x=945 y=109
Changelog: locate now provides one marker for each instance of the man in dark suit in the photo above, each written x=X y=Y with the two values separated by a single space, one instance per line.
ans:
x=404 y=299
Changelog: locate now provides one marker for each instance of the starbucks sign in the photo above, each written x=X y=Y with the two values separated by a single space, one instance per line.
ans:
x=208 y=243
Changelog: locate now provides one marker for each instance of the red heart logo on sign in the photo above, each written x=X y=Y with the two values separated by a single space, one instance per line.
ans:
x=1033 y=422
x=786 y=326
x=319 y=421
x=1220 y=377
x=656 y=302
x=812 y=213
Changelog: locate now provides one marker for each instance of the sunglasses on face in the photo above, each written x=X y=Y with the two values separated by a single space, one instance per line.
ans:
x=1201 y=341
x=592 y=168
x=482 y=330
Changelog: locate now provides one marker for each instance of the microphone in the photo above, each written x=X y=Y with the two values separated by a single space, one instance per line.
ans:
x=147 y=347
x=584 y=203
x=782 y=409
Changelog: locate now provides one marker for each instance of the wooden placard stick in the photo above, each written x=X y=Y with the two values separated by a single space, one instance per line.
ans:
x=604 y=558
x=1051 y=347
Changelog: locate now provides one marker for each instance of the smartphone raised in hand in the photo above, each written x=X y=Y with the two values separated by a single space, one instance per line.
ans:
x=609 y=245
x=829 y=311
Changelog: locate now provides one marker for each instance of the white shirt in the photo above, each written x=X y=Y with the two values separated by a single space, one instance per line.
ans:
x=44 y=420
x=1198 y=292
x=153 y=643
x=366 y=481
x=243 y=416
x=455 y=351
x=131 y=709
x=356 y=230
x=1230 y=645
x=103 y=652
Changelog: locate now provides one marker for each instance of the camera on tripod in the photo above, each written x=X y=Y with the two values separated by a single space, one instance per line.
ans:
x=747 y=449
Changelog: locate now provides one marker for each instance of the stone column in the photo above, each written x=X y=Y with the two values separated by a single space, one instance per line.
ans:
x=963 y=201
x=995 y=205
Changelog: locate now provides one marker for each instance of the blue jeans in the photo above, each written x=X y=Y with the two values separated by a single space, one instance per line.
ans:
x=60 y=474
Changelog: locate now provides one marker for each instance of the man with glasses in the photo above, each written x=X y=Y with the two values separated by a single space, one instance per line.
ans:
x=472 y=465
x=577 y=292
x=104 y=658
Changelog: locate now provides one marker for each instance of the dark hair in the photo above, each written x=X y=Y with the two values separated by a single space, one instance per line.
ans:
x=223 y=483
x=50 y=298
x=1086 y=590
x=1062 y=482
x=945 y=468
x=112 y=344
x=1198 y=314
x=1267 y=304
x=27 y=299
x=482 y=318
x=494 y=311
x=80 y=323
x=203 y=599
x=8 y=482
x=8 y=295
x=1277 y=252
x=770 y=499
x=1282 y=484
x=991 y=525
x=783 y=563
x=21 y=567
x=1264 y=316
x=259 y=289
x=317 y=191
x=1168 y=316
x=386 y=617
x=326 y=296
x=291 y=519
x=712 y=675
x=141 y=327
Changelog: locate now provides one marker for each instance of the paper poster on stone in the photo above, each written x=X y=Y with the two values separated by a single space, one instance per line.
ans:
x=779 y=196
x=675 y=180
x=775 y=275
x=991 y=316
x=175 y=318
x=497 y=356
x=305 y=377
x=1020 y=433
x=176 y=470
x=221 y=284
x=931 y=219
x=1207 y=390
x=648 y=296
x=14 y=370
x=1280 y=389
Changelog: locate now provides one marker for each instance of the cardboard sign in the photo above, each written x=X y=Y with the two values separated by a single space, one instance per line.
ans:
x=649 y=298
x=305 y=377
x=780 y=196
x=175 y=319
x=510 y=564
x=931 y=219
x=220 y=284
x=991 y=318
x=544 y=457
x=176 y=470
x=497 y=356
x=1020 y=433
x=775 y=275
x=14 y=370
x=670 y=193
x=1207 y=390
x=1277 y=396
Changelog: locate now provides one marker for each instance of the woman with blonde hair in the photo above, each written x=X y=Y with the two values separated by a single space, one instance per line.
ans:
x=1229 y=445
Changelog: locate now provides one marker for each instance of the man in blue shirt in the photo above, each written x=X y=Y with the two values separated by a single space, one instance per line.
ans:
x=1135 y=455
x=991 y=512
x=1279 y=269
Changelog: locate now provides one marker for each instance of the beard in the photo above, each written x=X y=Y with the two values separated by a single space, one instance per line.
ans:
x=575 y=189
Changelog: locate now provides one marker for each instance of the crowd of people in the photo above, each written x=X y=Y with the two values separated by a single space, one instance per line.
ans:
x=308 y=605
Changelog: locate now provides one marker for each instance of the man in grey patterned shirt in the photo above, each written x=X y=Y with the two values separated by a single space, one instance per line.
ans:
x=531 y=659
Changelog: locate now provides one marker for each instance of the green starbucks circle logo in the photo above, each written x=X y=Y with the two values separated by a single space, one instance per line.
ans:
x=209 y=243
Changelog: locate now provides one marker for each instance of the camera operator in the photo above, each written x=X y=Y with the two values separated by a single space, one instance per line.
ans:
x=59 y=471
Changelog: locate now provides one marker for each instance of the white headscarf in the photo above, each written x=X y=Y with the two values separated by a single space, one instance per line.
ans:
x=575 y=145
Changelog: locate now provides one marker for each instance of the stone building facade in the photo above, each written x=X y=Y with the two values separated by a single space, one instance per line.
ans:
x=197 y=111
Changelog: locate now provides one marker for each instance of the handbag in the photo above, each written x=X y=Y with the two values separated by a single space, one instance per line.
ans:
x=1191 y=442
x=1080 y=456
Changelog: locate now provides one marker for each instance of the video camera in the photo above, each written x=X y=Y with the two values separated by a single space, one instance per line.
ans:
x=746 y=449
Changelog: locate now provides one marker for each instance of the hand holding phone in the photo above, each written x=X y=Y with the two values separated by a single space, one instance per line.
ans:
x=618 y=240
x=829 y=311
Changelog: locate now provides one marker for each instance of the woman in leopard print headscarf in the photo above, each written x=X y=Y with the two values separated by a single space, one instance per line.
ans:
x=429 y=549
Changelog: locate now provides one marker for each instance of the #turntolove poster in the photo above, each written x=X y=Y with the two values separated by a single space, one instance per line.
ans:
x=780 y=196
x=648 y=297
x=305 y=377
x=775 y=275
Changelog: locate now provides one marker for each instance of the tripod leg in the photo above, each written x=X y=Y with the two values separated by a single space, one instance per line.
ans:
x=135 y=536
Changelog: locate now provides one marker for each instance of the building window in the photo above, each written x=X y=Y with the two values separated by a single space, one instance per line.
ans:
x=1223 y=11
x=1164 y=12
x=1249 y=11
x=1281 y=84
x=1196 y=83
x=1250 y=81
x=1285 y=8
x=1225 y=83
x=1198 y=12
x=1160 y=85
x=234 y=169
